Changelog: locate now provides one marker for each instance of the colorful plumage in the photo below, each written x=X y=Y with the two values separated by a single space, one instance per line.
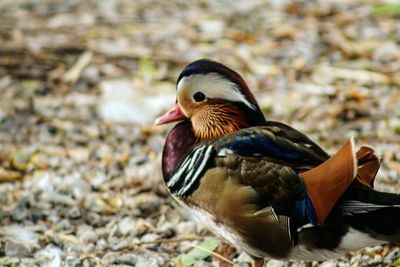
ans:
x=263 y=186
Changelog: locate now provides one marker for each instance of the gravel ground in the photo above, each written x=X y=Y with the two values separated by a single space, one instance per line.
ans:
x=82 y=81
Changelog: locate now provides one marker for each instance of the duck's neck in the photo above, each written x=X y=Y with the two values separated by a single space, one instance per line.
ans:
x=184 y=135
x=179 y=140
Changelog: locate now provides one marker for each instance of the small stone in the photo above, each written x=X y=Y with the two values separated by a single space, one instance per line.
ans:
x=186 y=227
x=19 y=214
x=392 y=175
x=20 y=240
x=387 y=52
x=167 y=233
x=52 y=129
x=142 y=227
x=91 y=74
x=15 y=249
x=88 y=248
x=86 y=263
x=148 y=203
x=146 y=262
x=128 y=259
x=72 y=261
x=86 y=234
x=98 y=179
x=102 y=244
x=74 y=213
x=49 y=256
x=212 y=29
x=275 y=263
x=149 y=237
x=21 y=159
x=127 y=226
x=63 y=225
x=328 y=264
x=244 y=257
x=93 y=219
x=118 y=244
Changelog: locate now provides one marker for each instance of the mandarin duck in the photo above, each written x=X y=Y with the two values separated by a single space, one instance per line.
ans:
x=263 y=186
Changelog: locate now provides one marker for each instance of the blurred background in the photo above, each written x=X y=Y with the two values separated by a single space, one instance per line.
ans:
x=82 y=81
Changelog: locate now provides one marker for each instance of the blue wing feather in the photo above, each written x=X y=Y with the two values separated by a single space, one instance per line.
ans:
x=306 y=210
x=260 y=145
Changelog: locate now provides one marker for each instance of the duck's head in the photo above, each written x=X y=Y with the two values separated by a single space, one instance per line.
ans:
x=215 y=99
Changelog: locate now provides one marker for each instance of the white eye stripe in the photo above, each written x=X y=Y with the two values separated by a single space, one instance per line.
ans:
x=212 y=85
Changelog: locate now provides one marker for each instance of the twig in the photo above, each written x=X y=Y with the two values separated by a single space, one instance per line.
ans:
x=165 y=240
x=5 y=82
x=361 y=76
x=212 y=253
x=74 y=73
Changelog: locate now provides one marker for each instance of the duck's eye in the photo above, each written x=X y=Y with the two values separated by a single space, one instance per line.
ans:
x=199 y=97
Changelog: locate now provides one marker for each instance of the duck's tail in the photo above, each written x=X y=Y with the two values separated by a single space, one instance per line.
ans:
x=374 y=213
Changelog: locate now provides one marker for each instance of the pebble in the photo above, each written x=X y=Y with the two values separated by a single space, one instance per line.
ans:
x=127 y=259
x=20 y=241
x=98 y=179
x=148 y=203
x=63 y=225
x=19 y=214
x=150 y=237
x=72 y=261
x=328 y=264
x=186 y=227
x=275 y=263
x=94 y=219
x=102 y=244
x=50 y=256
x=74 y=213
x=127 y=226
x=212 y=29
x=142 y=227
x=146 y=262
x=86 y=234
x=15 y=249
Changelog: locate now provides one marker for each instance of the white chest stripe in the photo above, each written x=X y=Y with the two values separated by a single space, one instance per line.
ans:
x=194 y=157
x=174 y=179
x=190 y=170
x=190 y=178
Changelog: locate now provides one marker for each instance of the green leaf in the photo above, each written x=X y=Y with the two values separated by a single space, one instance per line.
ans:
x=30 y=84
x=129 y=28
x=267 y=109
x=395 y=263
x=146 y=67
x=386 y=10
x=198 y=253
x=10 y=262
x=22 y=156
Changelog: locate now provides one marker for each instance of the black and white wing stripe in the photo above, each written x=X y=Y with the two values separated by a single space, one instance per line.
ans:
x=186 y=177
x=351 y=207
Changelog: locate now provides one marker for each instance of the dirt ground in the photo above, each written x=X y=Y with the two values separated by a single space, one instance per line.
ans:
x=82 y=81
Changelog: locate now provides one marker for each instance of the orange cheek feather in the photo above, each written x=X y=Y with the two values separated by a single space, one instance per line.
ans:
x=213 y=121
